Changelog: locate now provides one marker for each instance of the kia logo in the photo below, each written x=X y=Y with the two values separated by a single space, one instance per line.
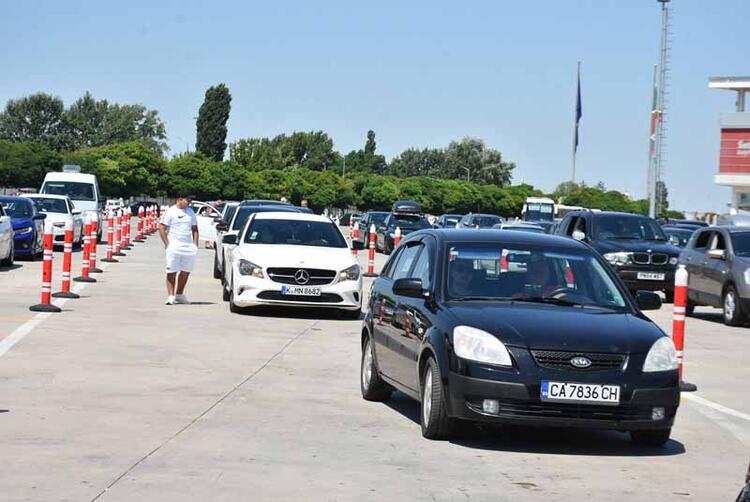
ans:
x=301 y=276
x=580 y=362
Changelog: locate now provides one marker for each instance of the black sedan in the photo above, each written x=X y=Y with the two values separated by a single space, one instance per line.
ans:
x=516 y=328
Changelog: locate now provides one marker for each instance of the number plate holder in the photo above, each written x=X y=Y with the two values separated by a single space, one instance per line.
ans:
x=584 y=393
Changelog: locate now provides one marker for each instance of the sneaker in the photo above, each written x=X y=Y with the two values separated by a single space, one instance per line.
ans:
x=170 y=300
x=181 y=299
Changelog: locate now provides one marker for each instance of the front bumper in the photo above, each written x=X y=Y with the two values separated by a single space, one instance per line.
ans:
x=520 y=403
x=252 y=291
x=24 y=243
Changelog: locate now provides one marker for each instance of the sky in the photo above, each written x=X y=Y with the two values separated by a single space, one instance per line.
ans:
x=420 y=74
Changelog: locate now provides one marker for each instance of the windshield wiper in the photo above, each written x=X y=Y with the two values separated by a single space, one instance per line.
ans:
x=480 y=299
x=548 y=299
x=655 y=239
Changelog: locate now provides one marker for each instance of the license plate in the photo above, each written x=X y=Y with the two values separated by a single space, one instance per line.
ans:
x=300 y=291
x=580 y=392
x=650 y=276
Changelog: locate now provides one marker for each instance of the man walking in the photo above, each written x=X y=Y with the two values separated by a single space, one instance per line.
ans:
x=179 y=232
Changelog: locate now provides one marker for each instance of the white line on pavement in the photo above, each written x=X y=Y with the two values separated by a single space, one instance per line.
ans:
x=716 y=406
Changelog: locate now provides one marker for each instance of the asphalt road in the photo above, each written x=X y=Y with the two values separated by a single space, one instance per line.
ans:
x=120 y=397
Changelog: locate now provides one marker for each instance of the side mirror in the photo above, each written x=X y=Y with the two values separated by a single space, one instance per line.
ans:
x=409 y=287
x=578 y=235
x=647 y=300
x=221 y=226
x=358 y=245
x=717 y=254
x=217 y=219
x=229 y=239
x=39 y=216
x=76 y=211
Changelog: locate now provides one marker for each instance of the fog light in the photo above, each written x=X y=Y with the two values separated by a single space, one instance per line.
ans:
x=657 y=413
x=491 y=406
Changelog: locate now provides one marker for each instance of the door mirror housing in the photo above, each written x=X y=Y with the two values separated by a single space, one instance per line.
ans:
x=39 y=216
x=221 y=226
x=717 y=254
x=75 y=212
x=229 y=239
x=578 y=235
x=410 y=287
x=648 y=300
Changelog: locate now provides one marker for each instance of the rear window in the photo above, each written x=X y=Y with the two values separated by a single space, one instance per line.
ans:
x=410 y=221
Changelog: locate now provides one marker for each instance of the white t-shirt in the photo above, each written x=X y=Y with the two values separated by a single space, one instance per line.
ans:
x=180 y=231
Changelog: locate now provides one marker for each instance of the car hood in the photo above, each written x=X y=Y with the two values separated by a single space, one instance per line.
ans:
x=612 y=246
x=277 y=255
x=17 y=223
x=56 y=217
x=553 y=327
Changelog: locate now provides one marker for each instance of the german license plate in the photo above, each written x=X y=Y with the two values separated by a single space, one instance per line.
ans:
x=580 y=392
x=650 y=276
x=300 y=291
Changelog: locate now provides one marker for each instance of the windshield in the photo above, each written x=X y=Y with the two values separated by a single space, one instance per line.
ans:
x=683 y=236
x=244 y=213
x=295 y=233
x=410 y=221
x=378 y=218
x=492 y=271
x=536 y=211
x=627 y=227
x=73 y=189
x=17 y=209
x=741 y=244
x=487 y=221
x=51 y=205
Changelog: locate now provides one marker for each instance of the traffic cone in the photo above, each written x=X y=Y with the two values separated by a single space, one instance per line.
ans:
x=679 y=309
x=67 y=261
x=371 y=254
x=86 y=261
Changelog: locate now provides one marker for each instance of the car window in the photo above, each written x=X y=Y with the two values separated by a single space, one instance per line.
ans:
x=423 y=266
x=702 y=240
x=741 y=244
x=405 y=261
x=627 y=227
x=581 y=225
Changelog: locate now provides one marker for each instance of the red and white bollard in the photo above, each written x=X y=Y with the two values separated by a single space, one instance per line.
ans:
x=67 y=262
x=125 y=244
x=396 y=238
x=46 y=303
x=371 y=254
x=355 y=237
x=94 y=242
x=110 y=237
x=351 y=228
x=139 y=226
x=678 y=322
x=118 y=234
x=86 y=260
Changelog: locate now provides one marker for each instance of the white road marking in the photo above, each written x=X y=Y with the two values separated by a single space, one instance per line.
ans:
x=716 y=406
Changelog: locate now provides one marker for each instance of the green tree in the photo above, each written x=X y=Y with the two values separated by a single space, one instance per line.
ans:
x=212 y=122
x=37 y=118
x=25 y=164
x=365 y=160
x=370 y=144
x=484 y=165
x=192 y=172
x=414 y=162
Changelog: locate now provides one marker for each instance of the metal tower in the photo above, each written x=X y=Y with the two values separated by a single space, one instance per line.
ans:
x=656 y=204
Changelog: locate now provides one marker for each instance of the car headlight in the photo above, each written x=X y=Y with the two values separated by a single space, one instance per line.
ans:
x=250 y=268
x=349 y=274
x=661 y=357
x=477 y=345
x=24 y=230
x=673 y=260
x=619 y=258
x=747 y=276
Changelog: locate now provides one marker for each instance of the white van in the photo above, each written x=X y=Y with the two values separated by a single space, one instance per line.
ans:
x=83 y=189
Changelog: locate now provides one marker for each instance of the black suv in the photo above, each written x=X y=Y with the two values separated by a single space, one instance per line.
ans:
x=633 y=244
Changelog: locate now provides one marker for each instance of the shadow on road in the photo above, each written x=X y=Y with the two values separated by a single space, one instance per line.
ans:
x=313 y=313
x=711 y=316
x=12 y=267
x=544 y=440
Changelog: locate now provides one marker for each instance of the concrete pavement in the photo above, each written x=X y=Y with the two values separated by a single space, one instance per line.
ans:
x=123 y=398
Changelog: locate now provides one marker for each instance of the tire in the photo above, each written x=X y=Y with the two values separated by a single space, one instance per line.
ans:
x=372 y=386
x=352 y=315
x=234 y=309
x=224 y=292
x=669 y=296
x=650 y=438
x=731 y=307
x=690 y=307
x=217 y=272
x=436 y=424
x=8 y=262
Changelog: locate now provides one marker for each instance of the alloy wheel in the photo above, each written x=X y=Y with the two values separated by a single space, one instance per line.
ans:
x=367 y=365
x=427 y=397
x=730 y=305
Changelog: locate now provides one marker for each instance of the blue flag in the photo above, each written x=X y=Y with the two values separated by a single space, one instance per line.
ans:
x=579 y=109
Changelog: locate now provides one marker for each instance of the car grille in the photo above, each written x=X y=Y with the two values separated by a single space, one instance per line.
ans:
x=650 y=259
x=523 y=409
x=323 y=298
x=318 y=277
x=559 y=360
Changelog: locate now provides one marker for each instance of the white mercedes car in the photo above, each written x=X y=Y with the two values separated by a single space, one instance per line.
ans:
x=292 y=259
x=58 y=209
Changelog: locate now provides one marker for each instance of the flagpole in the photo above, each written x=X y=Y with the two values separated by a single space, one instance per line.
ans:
x=576 y=118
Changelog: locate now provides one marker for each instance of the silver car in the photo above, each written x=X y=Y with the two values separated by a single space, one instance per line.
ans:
x=718 y=264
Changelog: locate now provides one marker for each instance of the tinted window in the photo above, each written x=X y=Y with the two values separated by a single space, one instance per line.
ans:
x=616 y=227
x=741 y=244
x=74 y=190
x=529 y=273
x=404 y=263
x=423 y=266
x=294 y=233
x=487 y=220
x=51 y=205
x=377 y=219
x=18 y=208
x=683 y=236
x=410 y=221
x=244 y=212
x=701 y=241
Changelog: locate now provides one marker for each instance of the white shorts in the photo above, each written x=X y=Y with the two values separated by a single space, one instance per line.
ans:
x=178 y=262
